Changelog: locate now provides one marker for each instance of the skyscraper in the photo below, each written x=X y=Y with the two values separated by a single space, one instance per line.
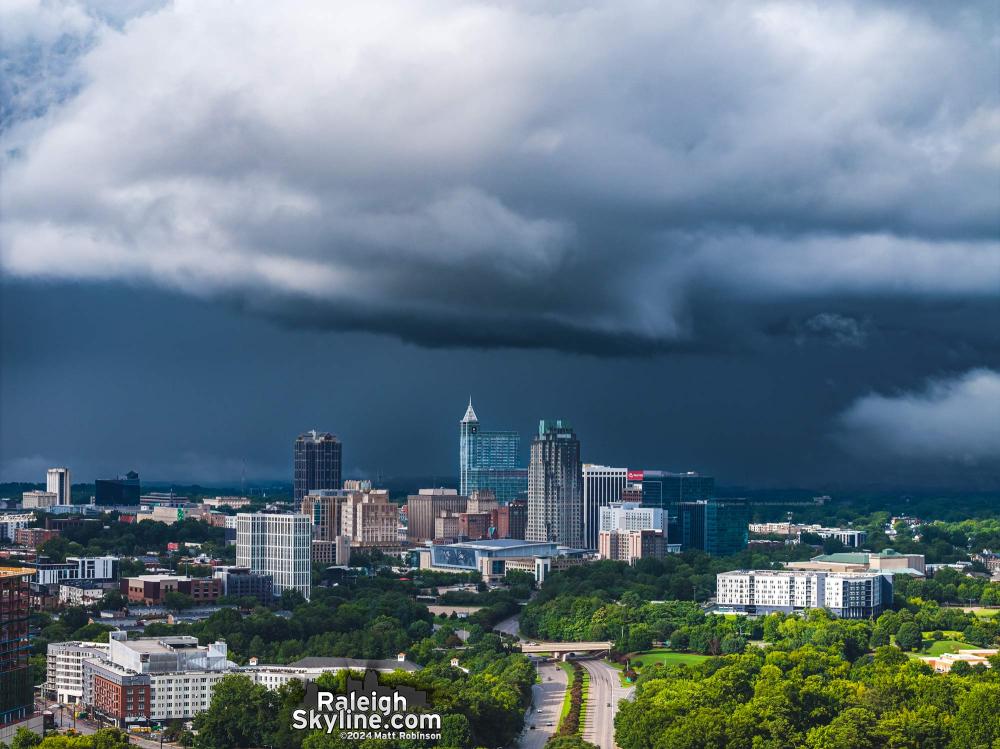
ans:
x=317 y=463
x=602 y=485
x=59 y=484
x=716 y=526
x=555 y=486
x=664 y=489
x=15 y=678
x=488 y=460
x=276 y=545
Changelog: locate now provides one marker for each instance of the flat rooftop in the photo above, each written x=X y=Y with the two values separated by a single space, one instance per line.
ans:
x=491 y=544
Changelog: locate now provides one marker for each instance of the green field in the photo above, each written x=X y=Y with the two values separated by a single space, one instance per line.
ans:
x=665 y=657
x=937 y=647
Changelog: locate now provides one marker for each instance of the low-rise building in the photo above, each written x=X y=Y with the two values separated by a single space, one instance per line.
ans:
x=10 y=522
x=943 y=663
x=888 y=561
x=64 y=668
x=152 y=589
x=851 y=595
x=83 y=592
x=36 y=500
x=236 y=503
x=33 y=537
x=493 y=557
x=240 y=582
x=310 y=669
x=631 y=545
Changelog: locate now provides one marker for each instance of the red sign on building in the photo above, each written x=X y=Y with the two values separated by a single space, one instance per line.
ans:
x=635 y=475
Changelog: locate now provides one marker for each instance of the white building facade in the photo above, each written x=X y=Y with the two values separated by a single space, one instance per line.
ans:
x=64 y=668
x=630 y=516
x=279 y=546
x=850 y=595
x=58 y=483
x=602 y=485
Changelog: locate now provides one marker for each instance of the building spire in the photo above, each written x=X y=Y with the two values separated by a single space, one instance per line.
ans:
x=470 y=414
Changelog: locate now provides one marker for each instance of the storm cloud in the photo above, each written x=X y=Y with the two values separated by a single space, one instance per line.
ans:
x=605 y=177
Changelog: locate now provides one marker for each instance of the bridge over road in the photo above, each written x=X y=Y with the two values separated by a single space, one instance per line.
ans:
x=561 y=648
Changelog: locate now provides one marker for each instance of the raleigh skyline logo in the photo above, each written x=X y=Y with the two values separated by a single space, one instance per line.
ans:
x=367 y=710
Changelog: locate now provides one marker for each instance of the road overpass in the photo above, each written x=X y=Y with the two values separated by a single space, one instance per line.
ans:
x=562 y=648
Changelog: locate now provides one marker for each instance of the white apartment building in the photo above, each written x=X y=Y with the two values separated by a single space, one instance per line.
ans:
x=12 y=521
x=95 y=568
x=630 y=516
x=602 y=485
x=851 y=595
x=37 y=500
x=64 y=668
x=182 y=694
x=58 y=483
x=279 y=546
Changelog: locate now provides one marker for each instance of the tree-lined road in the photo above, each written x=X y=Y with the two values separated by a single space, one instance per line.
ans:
x=546 y=704
x=602 y=703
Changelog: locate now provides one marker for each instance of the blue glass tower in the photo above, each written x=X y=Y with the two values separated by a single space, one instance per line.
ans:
x=488 y=460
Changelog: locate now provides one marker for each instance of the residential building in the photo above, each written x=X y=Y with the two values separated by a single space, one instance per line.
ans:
x=318 y=460
x=851 y=595
x=83 y=592
x=310 y=669
x=631 y=545
x=847 y=536
x=512 y=519
x=370 y=519
x=64 y=668
x=423 y=508
x=630 y=516
x=602 y=485
x=10 y=522
x=279 y=546
x=153 y=589
x=36 y=500
x=555 y=486
x=122 y=491
x=58 y=483
x=16 y=698
x=241 y=582
x=489 y=460
x=33 y=537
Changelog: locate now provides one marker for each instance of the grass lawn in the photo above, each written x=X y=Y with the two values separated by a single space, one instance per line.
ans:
x=568 y=668
x=666 y=657
x=583 y=704
x=937 y=647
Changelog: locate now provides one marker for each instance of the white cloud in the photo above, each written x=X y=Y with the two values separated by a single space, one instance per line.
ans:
x=954 y=419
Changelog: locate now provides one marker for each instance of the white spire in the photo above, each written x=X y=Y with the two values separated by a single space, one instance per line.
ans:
x=470 y=414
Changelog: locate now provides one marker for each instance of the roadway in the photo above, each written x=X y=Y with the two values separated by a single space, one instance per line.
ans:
x=546 y=704
x=88 y=727
x=602 y=703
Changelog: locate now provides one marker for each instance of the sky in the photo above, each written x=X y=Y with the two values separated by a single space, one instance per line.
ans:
x=760 y=240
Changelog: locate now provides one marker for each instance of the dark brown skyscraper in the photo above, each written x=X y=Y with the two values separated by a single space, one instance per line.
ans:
x=317 y=463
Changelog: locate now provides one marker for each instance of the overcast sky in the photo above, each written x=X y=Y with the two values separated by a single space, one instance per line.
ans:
x=756 y=239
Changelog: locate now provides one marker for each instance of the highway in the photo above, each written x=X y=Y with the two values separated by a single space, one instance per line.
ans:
x=602 y=704
x=546 y=704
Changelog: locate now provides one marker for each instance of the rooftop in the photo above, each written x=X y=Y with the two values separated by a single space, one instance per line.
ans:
x=499 y=543
x=385 y=664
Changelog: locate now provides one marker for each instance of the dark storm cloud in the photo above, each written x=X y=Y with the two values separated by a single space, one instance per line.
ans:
x=614 y=178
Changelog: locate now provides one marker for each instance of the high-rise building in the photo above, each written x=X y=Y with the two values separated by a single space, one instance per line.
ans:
x=370 y=519
x=16 y=699
x=58 y=482
x=628 y=546
x=276 y=545
x=512 y=519
x=318 y=463
x=715 y=526
x=489 y=460
x=555 y=486
x=325 y=509
x=423 y=508
x=631 y=516
x=665 y=489
x=602 y=485
x=124 y=490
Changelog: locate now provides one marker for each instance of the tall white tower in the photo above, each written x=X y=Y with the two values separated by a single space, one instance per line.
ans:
x=59 y=484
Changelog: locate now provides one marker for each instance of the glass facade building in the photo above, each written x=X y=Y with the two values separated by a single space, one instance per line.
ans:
x=124 y=490
x=489 y=461
x=318 y=460
x=717 y=526
x=555 y=486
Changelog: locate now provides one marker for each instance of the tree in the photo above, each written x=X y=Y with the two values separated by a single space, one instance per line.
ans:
x=25 y=739
x=177 y=601
x=242 y=714
x=909 y=636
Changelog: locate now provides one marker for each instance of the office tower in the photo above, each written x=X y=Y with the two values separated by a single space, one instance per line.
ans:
x=428 y=504
x=555 y=486
x=716 y=526
x=665 y=489
x=602 y=485
x=628 y=546
x=325 y=509
x=482 y=500
x=488 y=460
x=124 y=490
x=16 y=698
x=58 y=483
x=317 y=463
x=370 y=519
x=512 y=519
x=276 y=545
